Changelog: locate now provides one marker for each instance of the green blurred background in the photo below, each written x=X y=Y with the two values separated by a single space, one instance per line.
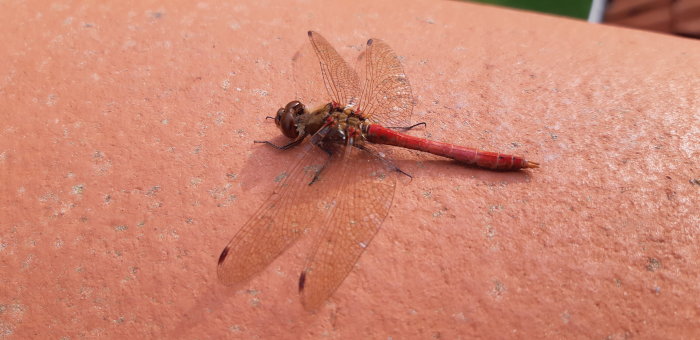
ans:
x=570 y=8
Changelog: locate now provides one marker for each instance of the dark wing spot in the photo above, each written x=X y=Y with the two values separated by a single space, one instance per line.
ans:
x=369 y=42
x=302 y=280
x=310 y=33
x=223 y=255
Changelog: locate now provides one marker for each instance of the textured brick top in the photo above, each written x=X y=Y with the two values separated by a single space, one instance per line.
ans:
x=127 y=164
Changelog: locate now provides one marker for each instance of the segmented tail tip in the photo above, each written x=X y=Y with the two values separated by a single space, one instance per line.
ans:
x=529 y=164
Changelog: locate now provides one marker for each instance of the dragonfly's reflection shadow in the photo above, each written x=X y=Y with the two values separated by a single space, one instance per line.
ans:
x=266 y=165
x=218 y=302
x=449 y=170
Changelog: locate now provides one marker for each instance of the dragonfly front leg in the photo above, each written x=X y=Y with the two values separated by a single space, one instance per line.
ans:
x=283 y=147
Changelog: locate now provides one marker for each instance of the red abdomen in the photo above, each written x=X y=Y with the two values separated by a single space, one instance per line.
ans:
x=484 y=159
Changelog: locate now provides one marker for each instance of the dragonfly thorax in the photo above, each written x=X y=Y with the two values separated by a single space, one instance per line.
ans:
x=295 y=120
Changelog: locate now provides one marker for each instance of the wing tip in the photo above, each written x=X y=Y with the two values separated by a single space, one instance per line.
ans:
x=302 y=281
x=223 y=255
x=531 y=165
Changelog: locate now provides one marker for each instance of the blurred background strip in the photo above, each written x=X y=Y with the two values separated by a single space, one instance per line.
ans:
x=680 y=17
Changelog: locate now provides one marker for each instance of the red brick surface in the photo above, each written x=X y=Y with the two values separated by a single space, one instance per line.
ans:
x=127 y=163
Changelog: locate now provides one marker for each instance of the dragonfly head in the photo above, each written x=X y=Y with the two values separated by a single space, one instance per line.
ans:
x=286 y=119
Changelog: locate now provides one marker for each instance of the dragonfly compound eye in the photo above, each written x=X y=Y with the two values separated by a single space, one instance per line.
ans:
x=278 y=116
x=296 y=107
x=286 y=119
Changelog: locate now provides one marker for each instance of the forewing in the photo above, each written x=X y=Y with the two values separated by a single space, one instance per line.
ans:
x=386 y=93
x=363 y=197
x=286 y=215
x=341 y=81
x=308 y=80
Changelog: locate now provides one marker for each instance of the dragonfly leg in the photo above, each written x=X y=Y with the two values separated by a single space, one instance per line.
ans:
x=397 y=169
x=406 y=128
x=283 y=147
x=318 y=173
x=386 y=161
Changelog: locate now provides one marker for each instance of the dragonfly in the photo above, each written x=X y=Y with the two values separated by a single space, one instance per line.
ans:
x=341 y=187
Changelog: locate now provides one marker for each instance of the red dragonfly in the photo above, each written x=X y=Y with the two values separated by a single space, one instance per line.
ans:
x=342 y=187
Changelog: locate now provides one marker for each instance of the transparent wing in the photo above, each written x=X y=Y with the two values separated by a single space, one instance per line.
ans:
x=363 y=197
x=286 y=215
x=386 y=93
x=341 y=81
x=308 y=81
